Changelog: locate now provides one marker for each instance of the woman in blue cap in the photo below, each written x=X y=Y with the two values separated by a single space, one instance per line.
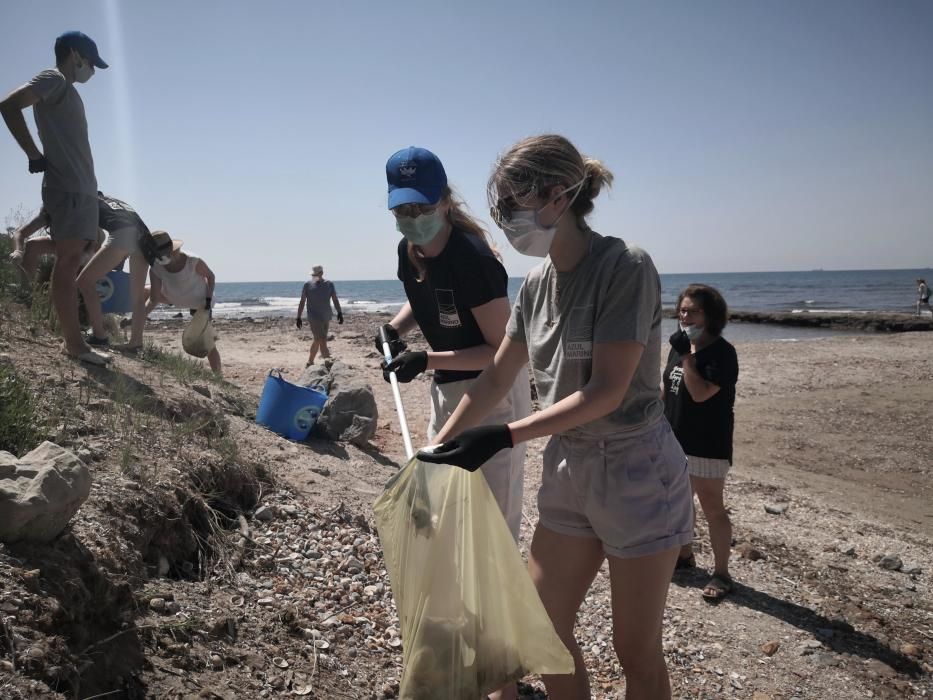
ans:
x=457 y=291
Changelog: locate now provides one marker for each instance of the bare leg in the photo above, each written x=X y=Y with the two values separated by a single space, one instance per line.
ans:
x=65 y=293
x=325 y=351
x=639 y=592
x=710 y=493
x=312 y=352
x=33 y=251
x=103 y=262
x=687 y=550
x=563 y=568
x=37 y=223
x=213 y=357
x=139 y=268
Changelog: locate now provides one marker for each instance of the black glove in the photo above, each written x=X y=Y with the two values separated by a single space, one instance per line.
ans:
x=207 y=303
x=680 y=342
x=298 y=323
x=396 y=346
x=406 y=366
x=472 y=448
x=38 y=165
x=340 y=317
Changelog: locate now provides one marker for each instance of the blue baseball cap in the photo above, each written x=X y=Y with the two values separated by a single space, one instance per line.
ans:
x=415 y=176
x=84 y=45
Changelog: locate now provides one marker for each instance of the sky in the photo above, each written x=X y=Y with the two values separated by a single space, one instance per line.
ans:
x=743 y=135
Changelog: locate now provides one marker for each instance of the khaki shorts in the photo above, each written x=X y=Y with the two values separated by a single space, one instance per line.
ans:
x=632 y=493
x=72 y=217
x=505 y=472
x=318 y=328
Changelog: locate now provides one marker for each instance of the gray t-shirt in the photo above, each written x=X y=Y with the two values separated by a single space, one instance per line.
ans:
x=318 y=295
x=614 y=294
x=62 y=127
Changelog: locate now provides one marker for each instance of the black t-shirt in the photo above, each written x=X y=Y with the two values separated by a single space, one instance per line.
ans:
x=114 y=214
x=465 y=275
x=703 y=429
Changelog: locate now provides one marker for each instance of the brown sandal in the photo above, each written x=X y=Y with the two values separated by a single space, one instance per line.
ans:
x=719 y=586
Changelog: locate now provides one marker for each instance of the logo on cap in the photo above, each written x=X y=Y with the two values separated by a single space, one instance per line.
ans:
x=408 y=171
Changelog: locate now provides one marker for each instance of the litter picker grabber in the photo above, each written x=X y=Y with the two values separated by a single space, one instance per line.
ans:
x=399 y=408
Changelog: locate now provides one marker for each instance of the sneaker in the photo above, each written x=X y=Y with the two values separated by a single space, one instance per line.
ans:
x=96 y=342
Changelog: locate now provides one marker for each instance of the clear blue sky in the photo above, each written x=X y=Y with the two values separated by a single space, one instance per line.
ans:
x=758 y=135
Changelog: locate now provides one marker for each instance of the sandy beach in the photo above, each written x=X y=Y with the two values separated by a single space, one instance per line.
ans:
x=843 y=418
x=213 y=555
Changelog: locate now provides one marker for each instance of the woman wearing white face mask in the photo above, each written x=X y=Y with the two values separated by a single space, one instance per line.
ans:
x=614 y=482
x=457 y=293
x=699 y=398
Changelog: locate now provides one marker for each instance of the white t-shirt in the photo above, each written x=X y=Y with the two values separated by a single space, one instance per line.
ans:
x=185 y=288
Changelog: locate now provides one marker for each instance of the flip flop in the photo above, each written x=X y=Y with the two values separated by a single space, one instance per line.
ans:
x=718 y=587
x=90 y=357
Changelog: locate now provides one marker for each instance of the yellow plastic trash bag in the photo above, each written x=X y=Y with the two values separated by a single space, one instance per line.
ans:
x=471 y=619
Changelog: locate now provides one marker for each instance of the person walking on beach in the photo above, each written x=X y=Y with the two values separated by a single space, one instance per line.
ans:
x=125 y=232
x=923 y=296
x=69 y=186
x=614 y=483
x=182 y=280
x=699 y=400
x=318 y=294
x=457 y=295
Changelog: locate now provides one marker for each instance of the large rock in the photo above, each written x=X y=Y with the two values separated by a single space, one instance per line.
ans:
x=40 y=493
x=350 y=413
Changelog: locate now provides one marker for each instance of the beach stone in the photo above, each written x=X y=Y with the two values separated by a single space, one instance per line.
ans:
x=264 y=514
x=891 y=562
x=350 y=414
x=40 y=492
x=776 y=508
x=747 y=551
x=770 y=648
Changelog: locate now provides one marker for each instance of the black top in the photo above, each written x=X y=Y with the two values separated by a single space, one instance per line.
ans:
x=114 y=214
x=465 y=275
x=703 y=429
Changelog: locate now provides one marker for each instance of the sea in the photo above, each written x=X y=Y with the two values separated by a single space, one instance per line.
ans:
x=838 y=291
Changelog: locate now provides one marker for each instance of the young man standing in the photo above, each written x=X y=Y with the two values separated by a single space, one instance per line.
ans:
x=69 y=186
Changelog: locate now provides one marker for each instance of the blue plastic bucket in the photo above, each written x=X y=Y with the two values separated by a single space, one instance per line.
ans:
x=114 y=293
x=288 y=409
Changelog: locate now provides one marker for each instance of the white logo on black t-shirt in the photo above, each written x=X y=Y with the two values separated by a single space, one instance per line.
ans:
x=677 y=375
x=578 y=336
x=447 y=315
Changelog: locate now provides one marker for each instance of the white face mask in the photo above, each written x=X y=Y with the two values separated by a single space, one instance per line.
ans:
x=316 y=278
x=83 y=72
x=164 y=260
x=529 y=237
x=693 y=332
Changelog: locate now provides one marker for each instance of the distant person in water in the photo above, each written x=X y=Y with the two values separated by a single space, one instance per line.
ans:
x=923 y=296
x=318 y=293
x=182 y=280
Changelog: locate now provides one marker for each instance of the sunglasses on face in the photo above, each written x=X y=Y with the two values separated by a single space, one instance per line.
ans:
x=413 y=211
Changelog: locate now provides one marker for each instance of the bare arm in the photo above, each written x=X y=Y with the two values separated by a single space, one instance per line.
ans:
x=202 y=269
x=12 y=108
x=301 y=304
x=155 y=292
x=487 y=390
x=614 y=365
x=700 y=389
x=492 y=318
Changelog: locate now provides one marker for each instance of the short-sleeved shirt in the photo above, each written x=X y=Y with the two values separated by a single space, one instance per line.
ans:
x=465 y=275
x=703 y=429
x=318 y=295
x=62 y=127
x=613 y=295
x=115 y=214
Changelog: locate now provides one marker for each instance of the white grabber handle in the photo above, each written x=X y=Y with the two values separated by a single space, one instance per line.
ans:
x=399 y=408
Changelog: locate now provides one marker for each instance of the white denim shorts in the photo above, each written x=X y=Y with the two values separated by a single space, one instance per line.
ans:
x=707 y=467
x=505 y=471
x=630 y=492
